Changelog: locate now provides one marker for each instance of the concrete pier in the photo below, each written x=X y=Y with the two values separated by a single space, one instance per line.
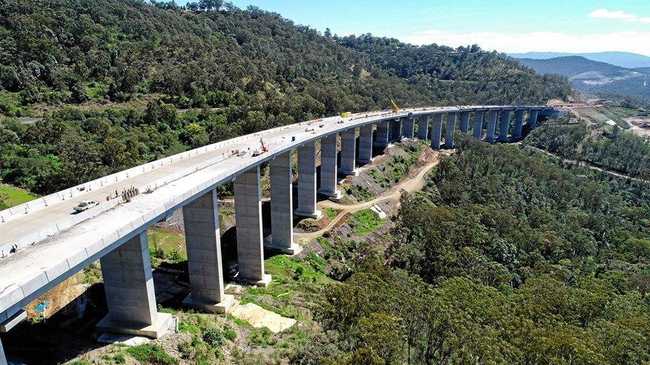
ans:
x=492 y=126
x=408 y=127
x=477 y=128
x=365 y=144
x=395 y=130
x=532 y=119
x=464 y=122
x=451 y=126
x=423 y=128
x=282 y=206
x=349 y=152
x=3 y=358
x=307 y=182
x=248 y=219
x=328 y=168
x=204 y=264
x=504 y=125
x=436 y=133
x=519 y=124
x=130 y=293
x=381 y=138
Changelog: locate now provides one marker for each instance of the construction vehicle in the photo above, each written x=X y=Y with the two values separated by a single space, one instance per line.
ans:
x=263 y=149
x=346 y=115
x=393 y=106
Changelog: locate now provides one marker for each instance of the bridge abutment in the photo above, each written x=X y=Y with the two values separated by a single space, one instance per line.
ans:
x=204 y=260
x=130 y=293
x=248 y=220
x=365 y=144
x=436 y=133
x=348 y=152
x=282 y=206
x=307 y=181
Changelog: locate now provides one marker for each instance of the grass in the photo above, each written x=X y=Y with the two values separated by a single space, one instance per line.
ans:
x=167 y=244
x=364 y=222
x=331 y=213
x=151 y=354
x=396 y=167
x=360 y=193
x=11 y=196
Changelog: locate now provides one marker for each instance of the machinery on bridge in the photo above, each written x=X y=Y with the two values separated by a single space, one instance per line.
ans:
x=263 y=149
x=393 y=106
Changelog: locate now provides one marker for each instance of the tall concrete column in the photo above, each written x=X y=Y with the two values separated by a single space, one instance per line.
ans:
x=328 y=168
x=365 y=144
x=464 y=122
x=423 y=128
x=130 y=293
x=282 y=205
x=381 y=140
x=436 y=133
x=407 y=127
x=204 y=263
x=396 y=130
x=519 y=124
x=248 y=220
x=3 y=358
x=478 y=124
x=492 y=125
x=451 y=126
x=307 y=181
x=349 y=152
x=532 y=119
x=504 y=125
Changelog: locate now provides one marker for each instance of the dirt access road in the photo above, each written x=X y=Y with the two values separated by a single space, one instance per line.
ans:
x=414 y=182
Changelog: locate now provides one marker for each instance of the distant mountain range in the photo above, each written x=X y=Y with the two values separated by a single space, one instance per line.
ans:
x=595 y=77
x=621 y=59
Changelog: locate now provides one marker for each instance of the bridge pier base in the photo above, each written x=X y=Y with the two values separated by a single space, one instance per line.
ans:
x=349 y=152
x=423 y=128
x=381 y=140
x=436 y=133
x=408 y=127
x=365 y=144
x=464 y=122
x=477 y=129
x=492 y=125
x=519 y=124
x=248 y=219
x=328 y=168
x=130 y=293
x=449 y=135
x=504 y=125
x=282 y=206
x=204 y=262
x=307 y=182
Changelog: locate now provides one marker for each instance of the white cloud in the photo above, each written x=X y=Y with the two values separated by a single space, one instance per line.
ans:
x=613 y=14
x=636 y=42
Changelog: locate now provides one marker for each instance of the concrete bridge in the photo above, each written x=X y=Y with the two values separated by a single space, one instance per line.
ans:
x=42 y=243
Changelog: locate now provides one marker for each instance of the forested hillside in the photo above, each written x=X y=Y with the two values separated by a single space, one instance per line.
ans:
x=505 y=257
x=121 y=82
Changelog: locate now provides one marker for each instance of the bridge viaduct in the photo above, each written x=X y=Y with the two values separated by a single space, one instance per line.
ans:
x=42 y=243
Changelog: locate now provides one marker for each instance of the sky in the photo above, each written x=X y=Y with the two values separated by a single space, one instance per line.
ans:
x=503 y=25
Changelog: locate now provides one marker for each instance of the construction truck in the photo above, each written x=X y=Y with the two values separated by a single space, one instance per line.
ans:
x=263 y=149
x=346 y=115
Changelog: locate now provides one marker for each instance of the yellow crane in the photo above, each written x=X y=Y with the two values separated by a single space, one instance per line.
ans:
x=393 y=106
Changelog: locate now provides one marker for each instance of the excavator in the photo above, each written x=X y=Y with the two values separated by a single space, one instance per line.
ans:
x=263 y=149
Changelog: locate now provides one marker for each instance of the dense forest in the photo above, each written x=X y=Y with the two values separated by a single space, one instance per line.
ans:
x=614 y=150
x=505 y=257
x=121 y=82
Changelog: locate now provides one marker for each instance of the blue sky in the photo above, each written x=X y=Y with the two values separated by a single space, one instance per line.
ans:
x=509 y=26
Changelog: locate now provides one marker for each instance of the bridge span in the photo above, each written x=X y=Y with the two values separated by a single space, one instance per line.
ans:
x=42 y=243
